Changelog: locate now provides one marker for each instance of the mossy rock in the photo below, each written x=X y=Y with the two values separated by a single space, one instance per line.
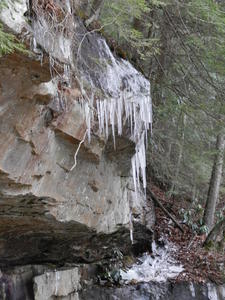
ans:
x=81 y=14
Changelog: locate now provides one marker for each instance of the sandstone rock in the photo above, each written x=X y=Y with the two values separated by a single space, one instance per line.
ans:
x=48 y=212
x=58 y=284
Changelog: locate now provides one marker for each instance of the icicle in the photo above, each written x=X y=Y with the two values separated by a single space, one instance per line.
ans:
x=133 y=164
x=131 y=118
x=134 y=120
x=126 y=92
x=112 y=120
x=119 y=105
x=67 y=74
x=137 y=168
x=131 y=230
x=98 y=115
x=102 y=114
x=88 y=121
x=106 y=111
x=68 y=6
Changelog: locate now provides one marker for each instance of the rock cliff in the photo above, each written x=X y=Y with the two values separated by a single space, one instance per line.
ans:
x=73 y=123
x=66 y=195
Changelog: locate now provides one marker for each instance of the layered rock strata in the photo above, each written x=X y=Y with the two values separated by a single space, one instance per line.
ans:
x=43 y=283
x=58 y=204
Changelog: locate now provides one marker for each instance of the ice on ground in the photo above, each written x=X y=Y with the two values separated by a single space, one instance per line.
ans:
x=158 y=266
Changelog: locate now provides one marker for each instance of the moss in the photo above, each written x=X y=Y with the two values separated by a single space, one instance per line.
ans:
x=81 y=14
x=209 y=245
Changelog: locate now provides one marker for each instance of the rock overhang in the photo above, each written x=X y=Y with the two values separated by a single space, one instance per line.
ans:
x=44 y=204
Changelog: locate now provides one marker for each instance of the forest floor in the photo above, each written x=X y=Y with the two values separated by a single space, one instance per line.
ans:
x=200 y=264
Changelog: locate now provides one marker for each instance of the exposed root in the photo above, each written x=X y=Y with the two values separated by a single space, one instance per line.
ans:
x=78 y=148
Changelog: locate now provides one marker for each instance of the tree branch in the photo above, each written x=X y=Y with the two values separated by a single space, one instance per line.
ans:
x=157 y=201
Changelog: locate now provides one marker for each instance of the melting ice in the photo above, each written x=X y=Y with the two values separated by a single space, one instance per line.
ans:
x=126 y=101
x=158 y=267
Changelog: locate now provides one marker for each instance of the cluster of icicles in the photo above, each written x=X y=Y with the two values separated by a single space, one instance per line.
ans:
x=135 y=113
x=127 y=100
x=113 y=115
x=127 y=104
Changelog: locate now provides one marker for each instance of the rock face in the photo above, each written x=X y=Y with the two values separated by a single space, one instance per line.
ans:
x=42 y=283
x=17 y=283
x=60 y=206
x=157 y=291
x=61 y=284
x=50 y=211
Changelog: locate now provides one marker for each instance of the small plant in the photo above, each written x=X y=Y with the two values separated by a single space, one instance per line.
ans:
x=9 y=43
x=220 y=215
x=109 y=270
x=204 y=229
x=193 y=218
x=113 y=276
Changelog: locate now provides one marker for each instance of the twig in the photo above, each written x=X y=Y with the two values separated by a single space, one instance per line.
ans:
x=156 y=200
x=191 y=242
x=78 y=148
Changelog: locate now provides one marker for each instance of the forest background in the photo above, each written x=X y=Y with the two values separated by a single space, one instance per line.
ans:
x=179 y=45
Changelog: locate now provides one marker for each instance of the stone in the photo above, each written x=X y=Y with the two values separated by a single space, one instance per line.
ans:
x=50 y=214
x=17 y=283
x=58 y=284
x=52 y=217
x=156 y=291
x=38 y=282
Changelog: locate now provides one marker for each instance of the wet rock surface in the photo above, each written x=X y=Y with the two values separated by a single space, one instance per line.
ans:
x=157 y=291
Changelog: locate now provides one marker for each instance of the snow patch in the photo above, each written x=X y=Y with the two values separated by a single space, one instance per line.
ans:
x=212 y=292
x=158 y=267
x=192 y=289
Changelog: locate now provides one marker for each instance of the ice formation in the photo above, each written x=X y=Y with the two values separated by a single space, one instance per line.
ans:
x=124 y=99
x=158 y=267
x=126 y=103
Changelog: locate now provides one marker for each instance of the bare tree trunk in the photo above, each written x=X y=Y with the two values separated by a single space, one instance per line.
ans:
x=179 y=159
x=217 y=230
x=194 y=193
x=215 y=180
